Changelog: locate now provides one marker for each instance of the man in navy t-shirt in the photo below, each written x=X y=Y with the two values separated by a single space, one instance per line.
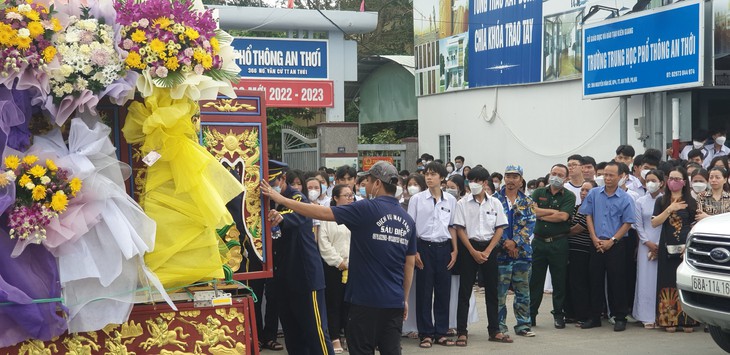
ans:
x=382 y=255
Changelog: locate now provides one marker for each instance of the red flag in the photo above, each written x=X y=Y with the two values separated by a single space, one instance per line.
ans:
x=290 y=5
x=362 y=6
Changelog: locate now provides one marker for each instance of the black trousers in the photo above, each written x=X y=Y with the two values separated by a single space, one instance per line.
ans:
x=433 y=289
x=266 y=325
x=368 y=328
x=632 y=244
x=335 y=297
x=611 y=266
x=579 y=289
x=490 y=274
x=304 y=319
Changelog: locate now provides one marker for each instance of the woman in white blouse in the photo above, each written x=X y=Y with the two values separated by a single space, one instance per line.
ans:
x=646 y=267
x=334 y=246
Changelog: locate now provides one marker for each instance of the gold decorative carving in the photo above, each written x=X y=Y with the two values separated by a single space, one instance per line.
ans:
x=213 y=332
x=230 y=314
x=115 y=345
x=190 y=314
x=161 y=335
x=229 y=105
x=37 y=347
x=240 y=349
x=80 y=345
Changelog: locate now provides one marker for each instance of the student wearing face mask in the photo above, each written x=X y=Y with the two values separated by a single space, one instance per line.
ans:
x=554 y=209
x=599 y=174
x=675 y=213
x=313 y=189
x=360 y=193
x=497 y=180
x=700 y=178
x=455 y=186
x=699 y=139
x=450 y=170
x=414 y=184
x=323 y=199
x=459 y=165
x=646 y=264
x=717 y=148
x=717 y=199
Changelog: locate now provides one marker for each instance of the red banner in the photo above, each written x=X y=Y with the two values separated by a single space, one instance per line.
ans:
x=292 y=93
x=367 y=162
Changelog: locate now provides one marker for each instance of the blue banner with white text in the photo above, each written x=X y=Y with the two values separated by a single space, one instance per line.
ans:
x=656 y=50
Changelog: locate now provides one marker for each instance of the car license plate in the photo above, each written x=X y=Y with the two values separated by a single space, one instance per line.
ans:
x=716 y=287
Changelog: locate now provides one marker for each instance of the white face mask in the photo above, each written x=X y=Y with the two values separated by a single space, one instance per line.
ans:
x=398 y=191
x=277 y=189
x=697 y=144
x=323 y=187
x=600 y=181
x=652 y=186
x=644 y=172
x=313 y=195
x=699 y=186
x=556 y=182
x=452 y=192
x=449 y=169
x=475 y=188
x=720 y=140
x=413 y=189
x=458 y=165
x=622 y=181
x=529 y=192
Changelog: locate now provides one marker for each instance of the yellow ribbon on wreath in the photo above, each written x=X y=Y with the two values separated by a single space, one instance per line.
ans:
x=185 y=191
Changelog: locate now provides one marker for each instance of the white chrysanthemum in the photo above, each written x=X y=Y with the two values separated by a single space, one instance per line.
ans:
x=10 y=175
x=45 y=180
x=14 y=16
x=24 y=8
x=23 y=33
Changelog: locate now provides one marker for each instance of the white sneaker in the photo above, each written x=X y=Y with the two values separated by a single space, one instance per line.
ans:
x=612 y=320
x=630 y=319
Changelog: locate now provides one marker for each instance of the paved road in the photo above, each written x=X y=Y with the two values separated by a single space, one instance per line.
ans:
x=572 y=340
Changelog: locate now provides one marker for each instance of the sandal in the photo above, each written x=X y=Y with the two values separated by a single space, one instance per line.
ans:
x=526 y=333
x=337 y=346
x=504 y=339
x=451 y=332
x=273 y=345
x=462 y=340
x=670 y=329
x=426 y=343
x=649 y=326
x=688 y=329
x=444 y=341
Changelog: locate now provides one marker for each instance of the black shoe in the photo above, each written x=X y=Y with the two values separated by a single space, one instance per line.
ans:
x=570 y=320
x=591 y=323
x=533 y=322
x=620 y=326
x=559 y=323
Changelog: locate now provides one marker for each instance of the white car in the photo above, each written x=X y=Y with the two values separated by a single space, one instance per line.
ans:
x=703 y=278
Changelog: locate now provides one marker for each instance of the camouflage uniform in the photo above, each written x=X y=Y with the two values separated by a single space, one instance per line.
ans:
x=516 y=271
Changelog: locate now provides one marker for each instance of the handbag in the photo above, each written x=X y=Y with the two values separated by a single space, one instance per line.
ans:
x=675 y=251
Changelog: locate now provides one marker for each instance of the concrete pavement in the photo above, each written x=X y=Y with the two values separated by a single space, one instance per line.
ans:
x=571 y=340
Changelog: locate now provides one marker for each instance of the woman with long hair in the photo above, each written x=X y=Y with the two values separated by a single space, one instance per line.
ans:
x=717 y=199
x=675 y=213
x=334 y=246
x=646 y=257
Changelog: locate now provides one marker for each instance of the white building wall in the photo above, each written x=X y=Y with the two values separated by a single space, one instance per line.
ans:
x=535 y=126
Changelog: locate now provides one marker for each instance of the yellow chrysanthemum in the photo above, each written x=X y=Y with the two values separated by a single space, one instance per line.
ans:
x=207 y=62
x=37 y=171
x=24 y=180
x=157 y=46
x=30 y=159
x=59 y=201
x=39 y=192
x=49 y=53
x=36 y=29
x=139 y=36
x=215 y=44
x=75 y=185
x=4 y=180
x=198 y=54
x=8 y=35
x=23 y=43
x=33 y=15
x=12 y=162
x=56 y=24
x=163 y=22
x=172 y=63
x=191 y=33
x=51 y=165
x=134 y=60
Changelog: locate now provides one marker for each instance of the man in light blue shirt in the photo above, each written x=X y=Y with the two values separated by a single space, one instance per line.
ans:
x=433 y=210
x=609 y=214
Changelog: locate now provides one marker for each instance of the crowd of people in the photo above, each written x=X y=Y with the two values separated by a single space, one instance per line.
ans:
x=371 y=256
